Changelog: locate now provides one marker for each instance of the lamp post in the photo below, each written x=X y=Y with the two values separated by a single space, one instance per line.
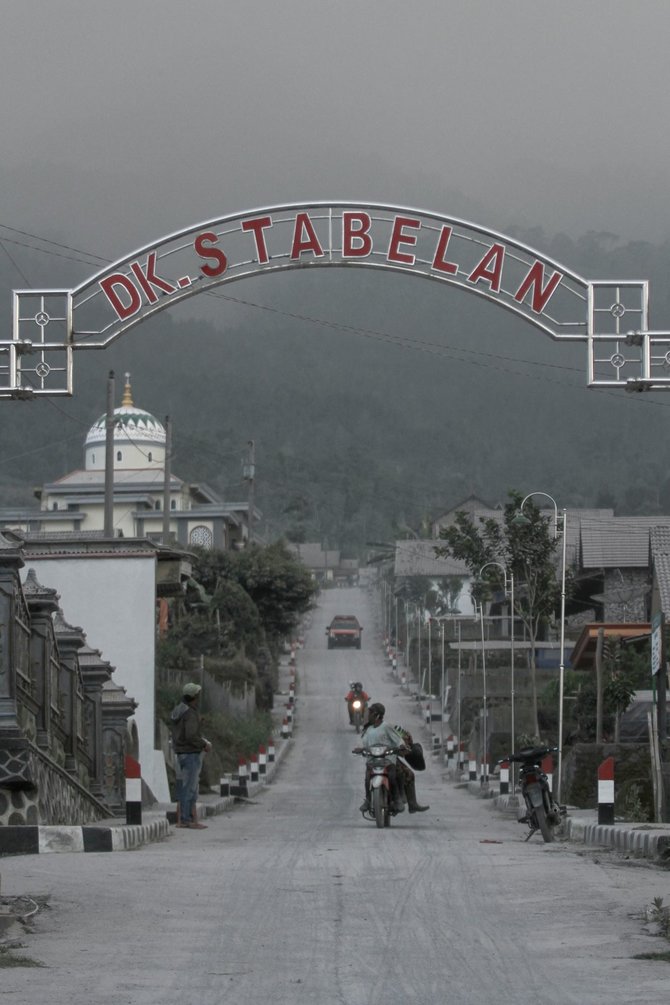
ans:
x=561 y=666
x=509 y=590
x=484 y=694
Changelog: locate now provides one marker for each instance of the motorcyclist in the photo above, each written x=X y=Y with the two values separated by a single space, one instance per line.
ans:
x=376 y=732
x=356 y=693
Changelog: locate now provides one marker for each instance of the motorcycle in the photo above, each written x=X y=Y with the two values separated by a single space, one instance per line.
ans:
x=356 y=712
x=542 y=811
x=380 y=789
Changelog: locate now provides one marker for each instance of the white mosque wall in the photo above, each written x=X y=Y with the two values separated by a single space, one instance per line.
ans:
x=113 y=601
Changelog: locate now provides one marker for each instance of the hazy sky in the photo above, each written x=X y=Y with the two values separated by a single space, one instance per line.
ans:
x=125 y=121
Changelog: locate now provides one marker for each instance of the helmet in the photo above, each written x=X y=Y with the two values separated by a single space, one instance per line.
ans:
x=376 y=712
x=358 y=686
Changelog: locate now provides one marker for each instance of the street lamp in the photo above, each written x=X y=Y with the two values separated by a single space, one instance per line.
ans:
x=520 y=519
x=509 y=592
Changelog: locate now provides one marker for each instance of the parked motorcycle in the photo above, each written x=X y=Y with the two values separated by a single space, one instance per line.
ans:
x=378 y=772
x=542 y=811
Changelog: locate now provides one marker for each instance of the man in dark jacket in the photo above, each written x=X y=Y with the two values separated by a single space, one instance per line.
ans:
x=189 y=746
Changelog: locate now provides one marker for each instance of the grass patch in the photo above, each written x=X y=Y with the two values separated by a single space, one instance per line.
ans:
x=8 y=959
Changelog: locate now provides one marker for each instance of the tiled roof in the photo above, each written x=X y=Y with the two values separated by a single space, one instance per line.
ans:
x=418 y=558
x=660 y=555
x=618 y=542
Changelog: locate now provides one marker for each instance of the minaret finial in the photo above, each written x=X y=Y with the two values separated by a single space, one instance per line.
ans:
x=127 y=394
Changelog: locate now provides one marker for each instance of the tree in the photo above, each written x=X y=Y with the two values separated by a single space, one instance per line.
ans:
x=528 y=550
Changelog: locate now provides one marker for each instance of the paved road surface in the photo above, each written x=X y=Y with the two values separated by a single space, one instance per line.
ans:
x=297 y=899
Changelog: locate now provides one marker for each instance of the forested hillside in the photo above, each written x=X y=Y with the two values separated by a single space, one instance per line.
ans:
x=374 y=400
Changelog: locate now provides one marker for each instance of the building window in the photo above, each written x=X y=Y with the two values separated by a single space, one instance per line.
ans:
x=202 y=536
x=92 y=458
x=173 y=504
x=157 y=504
x=150 y=457
x=54 y=505
x=119 y=455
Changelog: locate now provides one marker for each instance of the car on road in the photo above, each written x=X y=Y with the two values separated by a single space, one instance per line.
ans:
x=344 y=630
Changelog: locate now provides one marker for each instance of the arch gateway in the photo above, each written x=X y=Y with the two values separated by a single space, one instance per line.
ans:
x=610 y=316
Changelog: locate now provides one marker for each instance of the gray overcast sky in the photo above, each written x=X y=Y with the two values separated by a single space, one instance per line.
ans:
x=123 y=121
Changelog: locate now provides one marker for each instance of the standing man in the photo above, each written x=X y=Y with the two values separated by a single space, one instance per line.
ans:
x=189 y=745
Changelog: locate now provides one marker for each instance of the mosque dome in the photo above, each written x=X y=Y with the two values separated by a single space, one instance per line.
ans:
x=139 y=438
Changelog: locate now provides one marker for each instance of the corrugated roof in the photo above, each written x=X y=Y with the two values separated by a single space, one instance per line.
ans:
x=619 y=542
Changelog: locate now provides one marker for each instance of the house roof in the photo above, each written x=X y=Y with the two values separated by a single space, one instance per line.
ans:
x=584 y=653
x=418 y=558
x=313 y=556
x=659 y=545
x=618 y=542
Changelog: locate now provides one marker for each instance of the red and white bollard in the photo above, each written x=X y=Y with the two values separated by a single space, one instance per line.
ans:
x=504 y=778
x=133 y=774
x=271 y=751
x=286 y=730
x=240 y=789
x=606 y=791
x=262 y=761
x=472 y=768
x=253 y=766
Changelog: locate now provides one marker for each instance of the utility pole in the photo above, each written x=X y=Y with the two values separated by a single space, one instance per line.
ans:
x=109 y=459
x=249 y=475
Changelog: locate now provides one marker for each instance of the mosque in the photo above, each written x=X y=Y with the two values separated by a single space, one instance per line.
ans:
x=75 y=503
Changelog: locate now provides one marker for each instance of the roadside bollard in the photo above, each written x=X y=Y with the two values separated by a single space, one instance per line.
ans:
x=449 y=757
x=461 y=757
x=485 y=774
x=133 y=775
x=271 y=751
x=504 y=778
x=289 y=712
x=253 y=772
x=285 y=731
x=224 y=786
x=606 y=791
x=262 y=761
x=472 y=768
x=240 y=786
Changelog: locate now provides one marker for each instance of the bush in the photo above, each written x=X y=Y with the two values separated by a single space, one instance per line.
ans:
x=232 y=737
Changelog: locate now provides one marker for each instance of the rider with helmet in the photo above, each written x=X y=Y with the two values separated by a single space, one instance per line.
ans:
x=356 y=693
x=376 y=732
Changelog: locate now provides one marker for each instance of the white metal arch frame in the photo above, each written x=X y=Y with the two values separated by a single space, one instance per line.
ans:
x=610 y=316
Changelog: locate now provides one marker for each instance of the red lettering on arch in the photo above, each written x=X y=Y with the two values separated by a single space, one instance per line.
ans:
x=117 y=281
x=257 y=227
x=356 y=240
x=490 y=268
x=304 y=238
x=439 y=262
x=204 y=245
x=148 y=279
x=540 y=294
x=398 y=237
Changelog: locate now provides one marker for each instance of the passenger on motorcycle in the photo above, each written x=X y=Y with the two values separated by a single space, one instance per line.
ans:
x=356 y=693
x=406 y=776
x=376 y=732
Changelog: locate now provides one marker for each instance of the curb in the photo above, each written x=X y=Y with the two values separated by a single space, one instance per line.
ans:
x=32 y=840
x=116 y=835
x=644 y=840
